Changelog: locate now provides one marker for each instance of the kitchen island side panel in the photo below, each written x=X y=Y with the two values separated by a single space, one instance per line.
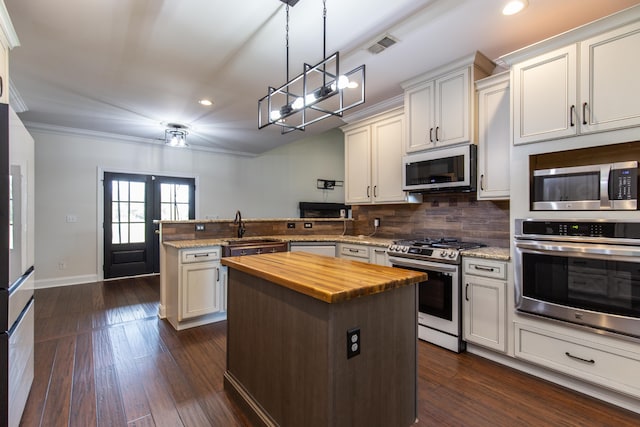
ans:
x=288 y=352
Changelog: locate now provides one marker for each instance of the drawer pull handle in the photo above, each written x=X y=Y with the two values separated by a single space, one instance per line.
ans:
x=589 y=361
x=353 y=250
x=201 y=255
x=481 y=268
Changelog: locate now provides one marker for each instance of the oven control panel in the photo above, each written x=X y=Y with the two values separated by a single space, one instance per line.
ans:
x=579 y=228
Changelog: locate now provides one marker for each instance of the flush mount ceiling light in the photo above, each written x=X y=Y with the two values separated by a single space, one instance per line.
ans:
x=319 y=92
x=205 y=102
x=176 y=135
x=515 y=6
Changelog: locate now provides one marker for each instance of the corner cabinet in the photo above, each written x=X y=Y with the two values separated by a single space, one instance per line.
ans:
x=549 y=103
x=373 y=159
x=196 y=288
x=484 y=286
x=494 y=137
x=439 y=105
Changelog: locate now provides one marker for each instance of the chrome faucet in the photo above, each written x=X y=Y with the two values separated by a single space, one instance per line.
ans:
x=238 y=220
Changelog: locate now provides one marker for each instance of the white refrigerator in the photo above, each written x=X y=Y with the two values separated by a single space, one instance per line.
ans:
x=16 y=266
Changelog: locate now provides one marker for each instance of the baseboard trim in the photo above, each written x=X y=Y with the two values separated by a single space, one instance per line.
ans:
x=65 y=281
x=251 y=408
x=575 y=384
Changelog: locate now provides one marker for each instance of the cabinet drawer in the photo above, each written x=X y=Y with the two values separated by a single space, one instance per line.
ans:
x=595 y=361
x=485 y=268
x=355 y=251
x=199 y=255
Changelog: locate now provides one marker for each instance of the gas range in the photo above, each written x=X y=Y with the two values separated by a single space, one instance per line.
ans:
x=445 y=250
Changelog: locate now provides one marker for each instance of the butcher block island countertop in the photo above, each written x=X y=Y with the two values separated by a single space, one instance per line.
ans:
x=321 y=341
x=327 y=279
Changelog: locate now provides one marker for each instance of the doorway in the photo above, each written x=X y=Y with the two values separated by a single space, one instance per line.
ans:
x=131 y=204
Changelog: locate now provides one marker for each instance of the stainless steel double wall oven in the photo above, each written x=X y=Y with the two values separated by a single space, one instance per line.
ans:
x=586 y=272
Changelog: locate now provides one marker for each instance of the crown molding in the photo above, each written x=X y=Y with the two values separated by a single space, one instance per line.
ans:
x=15 y=99
x=380 y=107
x=6 y=25
x=159 y=142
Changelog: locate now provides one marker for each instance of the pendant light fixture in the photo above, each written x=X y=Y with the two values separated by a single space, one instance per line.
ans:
x=320 y=91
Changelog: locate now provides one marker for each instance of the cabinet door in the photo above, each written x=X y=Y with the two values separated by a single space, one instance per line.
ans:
x=357 y=146
x=494 y=142
x=419 y=107
x=387 y=151
x=544 y=97
x=610 y=80
x=452 y=106
x=484 y=312
x=199 y=290
x=4 y=71
x=379 y=256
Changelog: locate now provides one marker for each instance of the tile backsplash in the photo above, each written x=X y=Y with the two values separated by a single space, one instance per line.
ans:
x=448 y=215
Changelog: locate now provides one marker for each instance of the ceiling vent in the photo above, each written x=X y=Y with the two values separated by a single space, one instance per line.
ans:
x=381 y=44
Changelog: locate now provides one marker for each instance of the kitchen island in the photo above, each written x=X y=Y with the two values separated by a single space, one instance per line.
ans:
x=320 y=341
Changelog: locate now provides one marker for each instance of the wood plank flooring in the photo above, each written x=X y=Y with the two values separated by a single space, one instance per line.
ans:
x=103 y=358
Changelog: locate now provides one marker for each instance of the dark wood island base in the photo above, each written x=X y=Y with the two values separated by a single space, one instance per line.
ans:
x=289 y=315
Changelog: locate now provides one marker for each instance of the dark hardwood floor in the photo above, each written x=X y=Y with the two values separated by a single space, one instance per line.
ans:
x=103 y=358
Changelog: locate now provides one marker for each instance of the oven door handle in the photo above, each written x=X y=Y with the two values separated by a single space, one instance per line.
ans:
x=429 y=267
x=620 y=252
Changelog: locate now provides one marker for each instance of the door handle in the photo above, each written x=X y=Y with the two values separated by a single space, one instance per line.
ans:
x=584 y=113
x=431 y=135
x=437 y=128
x=466 y=292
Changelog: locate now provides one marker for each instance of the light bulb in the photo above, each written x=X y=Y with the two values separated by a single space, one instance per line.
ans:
x=343 y=82
x=298 y=103
x=514 y=7
x=310 y=98
x=275 y=115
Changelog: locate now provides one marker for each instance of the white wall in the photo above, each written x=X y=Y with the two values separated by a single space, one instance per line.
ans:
x=68 y=168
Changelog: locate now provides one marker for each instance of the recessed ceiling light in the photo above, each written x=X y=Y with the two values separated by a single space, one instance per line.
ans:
x=515 y=6
x=205 y=102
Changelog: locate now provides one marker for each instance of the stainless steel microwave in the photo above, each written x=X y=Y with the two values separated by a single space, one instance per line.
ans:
x=441 y=170
x=612 y=186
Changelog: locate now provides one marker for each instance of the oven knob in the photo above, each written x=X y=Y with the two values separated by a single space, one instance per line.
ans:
x=443 y=254
x=452 y=254
x=391 y=248
x=405 y=249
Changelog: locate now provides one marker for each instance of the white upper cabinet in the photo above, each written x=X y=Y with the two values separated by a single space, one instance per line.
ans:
x=439 y=105
x=494 y=137
x=590 y=86
x=610 y=80
x=373 y=159
x=544 y=97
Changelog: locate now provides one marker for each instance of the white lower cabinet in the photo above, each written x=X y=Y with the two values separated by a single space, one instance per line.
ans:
x=364 y=253
x=602 y=360
x=197 y=293
x=484 y=287
x=379 y=256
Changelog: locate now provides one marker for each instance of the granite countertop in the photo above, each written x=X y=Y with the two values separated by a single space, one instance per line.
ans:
x=328 y=279
x=330 y=238
x=489 y=252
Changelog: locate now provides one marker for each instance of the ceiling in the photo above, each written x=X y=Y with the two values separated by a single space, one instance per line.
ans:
x=128 y=67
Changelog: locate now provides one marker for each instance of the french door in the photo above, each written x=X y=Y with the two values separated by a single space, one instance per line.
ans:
x=131 y=203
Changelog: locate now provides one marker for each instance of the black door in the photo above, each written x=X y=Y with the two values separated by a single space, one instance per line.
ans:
x=131 y=203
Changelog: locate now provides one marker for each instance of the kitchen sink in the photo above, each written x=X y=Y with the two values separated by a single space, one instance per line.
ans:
x=253 y=246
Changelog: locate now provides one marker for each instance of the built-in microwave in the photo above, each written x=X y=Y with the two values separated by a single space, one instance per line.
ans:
x=446 y=169
x=612 y=186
